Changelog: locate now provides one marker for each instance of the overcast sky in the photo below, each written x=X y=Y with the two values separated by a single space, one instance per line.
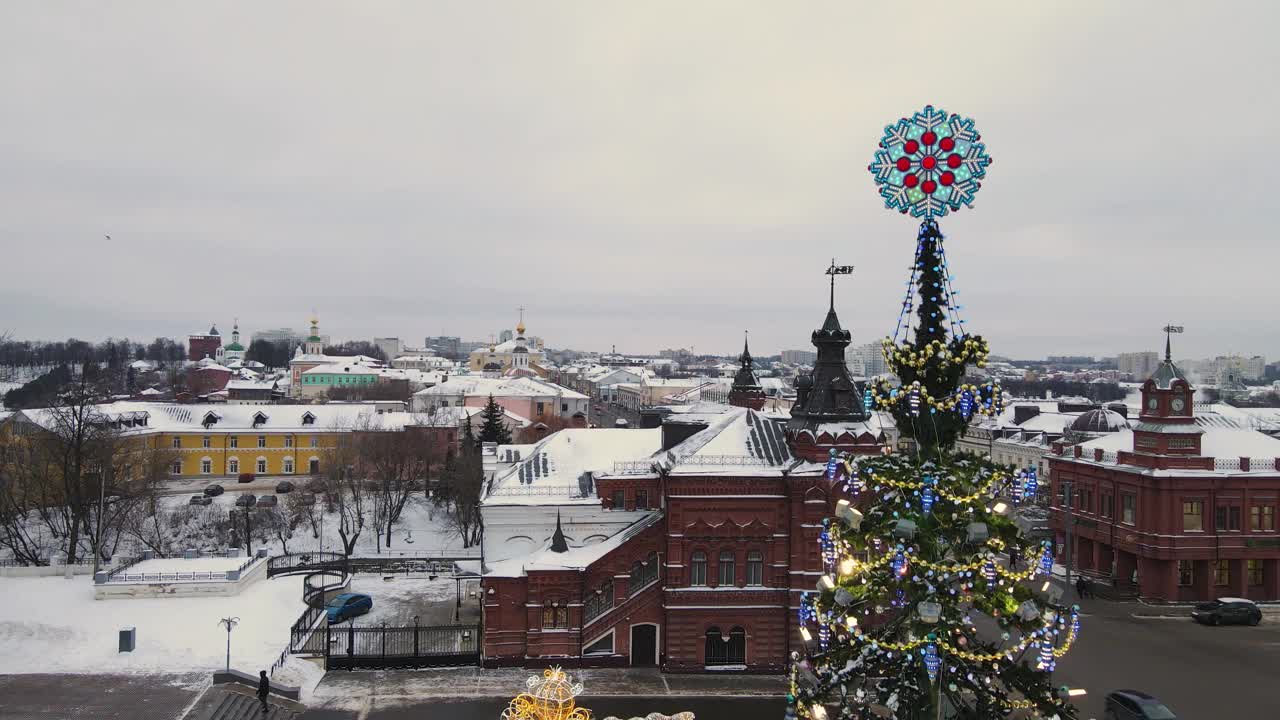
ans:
x=648 y=174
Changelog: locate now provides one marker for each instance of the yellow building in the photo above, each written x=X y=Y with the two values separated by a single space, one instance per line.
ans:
x=226 y=440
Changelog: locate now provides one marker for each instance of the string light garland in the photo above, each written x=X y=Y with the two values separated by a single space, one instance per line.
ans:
x=915 y=570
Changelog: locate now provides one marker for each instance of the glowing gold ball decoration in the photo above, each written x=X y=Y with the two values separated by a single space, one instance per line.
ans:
x=550 y=697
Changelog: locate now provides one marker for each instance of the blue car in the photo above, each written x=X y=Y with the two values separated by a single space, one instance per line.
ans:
x=347 y=606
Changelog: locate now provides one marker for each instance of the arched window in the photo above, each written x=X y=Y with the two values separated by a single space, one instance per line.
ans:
x=726 y=568
x=755 y=568
x=555 y=615
x=721 y=649
x=698 y=568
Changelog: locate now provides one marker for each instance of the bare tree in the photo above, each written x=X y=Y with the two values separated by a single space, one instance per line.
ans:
x=70 y=475
x=305 y=511
x=460 y=491
x=397 y=464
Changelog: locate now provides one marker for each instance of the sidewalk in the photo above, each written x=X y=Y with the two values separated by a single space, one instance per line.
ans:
x=351 y=689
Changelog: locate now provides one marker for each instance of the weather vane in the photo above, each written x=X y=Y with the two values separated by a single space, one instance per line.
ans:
x=1169 y=332
x=930 y=164
x=833 y=271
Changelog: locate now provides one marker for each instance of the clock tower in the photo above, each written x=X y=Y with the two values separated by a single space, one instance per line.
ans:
x=1167 y=424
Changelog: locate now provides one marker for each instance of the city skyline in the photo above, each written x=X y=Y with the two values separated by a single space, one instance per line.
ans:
x=445 y=149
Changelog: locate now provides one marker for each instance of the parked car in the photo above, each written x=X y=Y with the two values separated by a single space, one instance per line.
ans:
x=307 y=498
x=213 y=490
x=246 y=477
x=347 y=606
x=246 y=501
x=621 y=423
x=200 y=500
x=1135 y=705
x=284 y=486
x=1228 y=611
x=267 y=501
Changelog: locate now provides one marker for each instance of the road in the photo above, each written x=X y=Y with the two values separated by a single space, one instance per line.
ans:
x=1202 y=673
x=610 y=413
x=703 y=708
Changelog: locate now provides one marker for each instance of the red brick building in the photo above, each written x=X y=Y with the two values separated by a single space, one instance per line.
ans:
x=200 y=347
x=724 y=519
x=1185 y=502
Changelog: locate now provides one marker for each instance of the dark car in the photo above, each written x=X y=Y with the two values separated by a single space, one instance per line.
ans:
x=1228 y=611
x=284 y=486
x=347 y=606
x=200 y=500
x=213 y=490
x=1135 y=705
x=246 y=477
x=306 y=498
x=246 y=501
x=267 y=501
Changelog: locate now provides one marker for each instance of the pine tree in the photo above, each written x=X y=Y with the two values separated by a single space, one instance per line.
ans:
x=919 y=615
x=493 y=429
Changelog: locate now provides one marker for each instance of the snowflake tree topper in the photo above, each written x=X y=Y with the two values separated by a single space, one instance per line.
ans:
x=930 y=164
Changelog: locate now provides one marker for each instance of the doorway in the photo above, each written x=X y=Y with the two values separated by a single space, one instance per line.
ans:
x=644 y=645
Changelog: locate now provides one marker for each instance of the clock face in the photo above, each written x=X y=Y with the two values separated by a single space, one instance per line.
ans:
x=1178 y=404
x=1152 y=403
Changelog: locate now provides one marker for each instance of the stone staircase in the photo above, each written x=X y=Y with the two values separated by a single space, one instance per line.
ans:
x=234 y=702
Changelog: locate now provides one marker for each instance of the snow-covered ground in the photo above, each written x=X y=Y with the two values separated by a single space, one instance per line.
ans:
x=53 y=625
x=398 y=600
x=421 y=530
x=180 y=565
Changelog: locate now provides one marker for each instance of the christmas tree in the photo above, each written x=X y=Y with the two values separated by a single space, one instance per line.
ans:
x=492 y=429
x=920 y=613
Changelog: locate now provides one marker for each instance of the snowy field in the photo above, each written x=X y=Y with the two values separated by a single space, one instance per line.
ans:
x=180 y=565
x=397 y=601
x=53 y=625
x=421 y=530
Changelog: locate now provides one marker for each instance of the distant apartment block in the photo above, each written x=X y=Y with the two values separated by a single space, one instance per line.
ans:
x=1137 y=365
x=799 y=357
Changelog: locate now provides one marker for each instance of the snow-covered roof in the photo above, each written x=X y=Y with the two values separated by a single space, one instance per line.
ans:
x=172 y=417
x=207 y=364
x=251 y=385
x=457 y=417
x=341 y=368
x=479 y=386
x=142 y=365
x=151 y=392
x=575 y=558
x=1216 y=442
x=560 y=469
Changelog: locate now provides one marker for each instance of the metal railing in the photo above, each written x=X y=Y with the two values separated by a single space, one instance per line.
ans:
x=412 y=646
x=534 y=490
x=747 y=460
x=633 y=467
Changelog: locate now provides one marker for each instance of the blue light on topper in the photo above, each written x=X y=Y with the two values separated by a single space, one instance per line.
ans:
x=913 y=400
x=926 y=500
x=966 y=404
x=1032 y=484
x=931 y=660
x=833 y=467
x=900 y=563
x=1046 y=559
x=1047 y=662
x=867 y=401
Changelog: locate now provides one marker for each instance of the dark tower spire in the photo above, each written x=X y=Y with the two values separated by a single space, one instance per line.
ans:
x=746 y=391
x=828 y=394
x=558 y=544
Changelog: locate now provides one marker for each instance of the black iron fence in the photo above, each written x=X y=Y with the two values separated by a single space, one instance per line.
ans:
x=353 y=647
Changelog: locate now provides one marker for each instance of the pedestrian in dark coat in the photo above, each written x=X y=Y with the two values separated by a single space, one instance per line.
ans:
x=264 y=689
x=1082 y=587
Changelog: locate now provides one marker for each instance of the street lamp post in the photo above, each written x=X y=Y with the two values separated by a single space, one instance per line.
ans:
x=228 y=623
x=1068 y=520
